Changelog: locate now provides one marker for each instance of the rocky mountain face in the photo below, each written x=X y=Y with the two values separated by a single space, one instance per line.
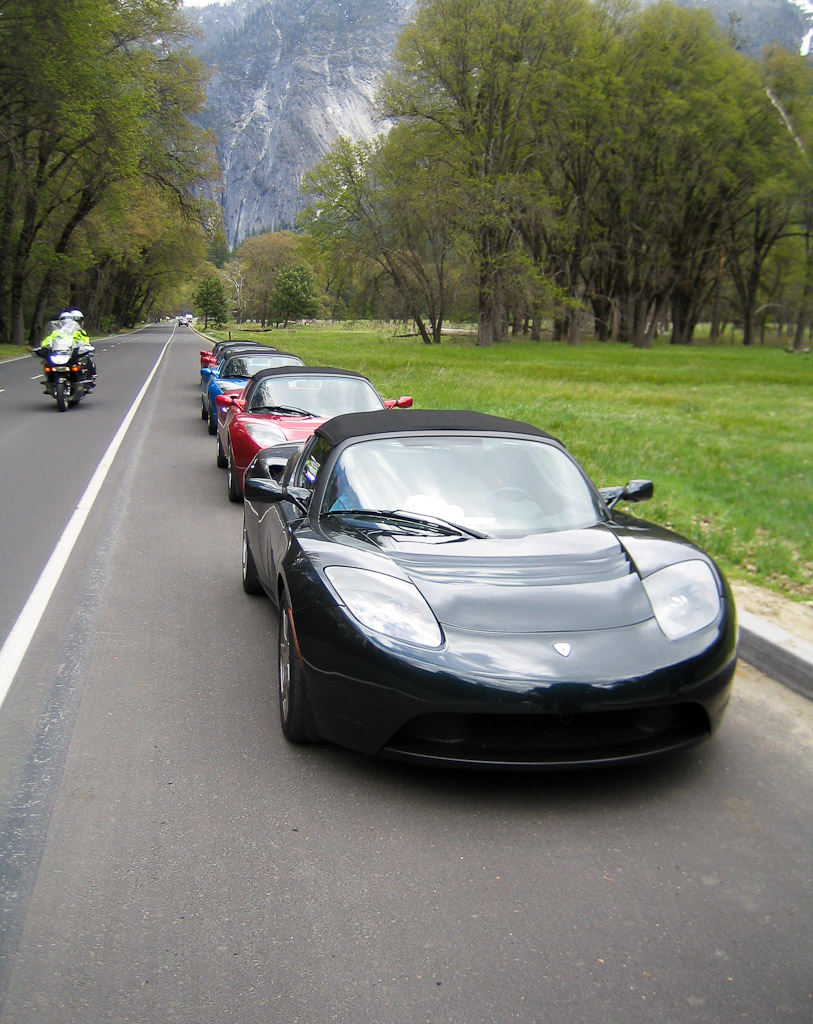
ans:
x=289 y=76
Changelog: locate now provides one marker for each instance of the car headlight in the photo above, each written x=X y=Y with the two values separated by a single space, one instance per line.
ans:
x=265 y=434
x=684 y=597
x=386 y=605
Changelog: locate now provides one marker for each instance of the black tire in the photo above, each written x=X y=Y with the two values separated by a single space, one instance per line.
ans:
x=221 y=459
x=251 y=581
x=212 y=422
x=232 y=485
x=61 y=395
x=204 y=412
x=294 y=707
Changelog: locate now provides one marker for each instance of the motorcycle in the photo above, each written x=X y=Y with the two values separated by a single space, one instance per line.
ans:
x=66 y=364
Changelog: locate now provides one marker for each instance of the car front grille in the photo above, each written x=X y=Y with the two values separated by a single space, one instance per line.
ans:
x=549 y=740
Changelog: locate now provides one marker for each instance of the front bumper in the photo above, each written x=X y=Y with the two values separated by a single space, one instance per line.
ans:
x=511 y=700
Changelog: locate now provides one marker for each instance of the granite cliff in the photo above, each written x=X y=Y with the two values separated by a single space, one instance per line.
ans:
x=289 y=76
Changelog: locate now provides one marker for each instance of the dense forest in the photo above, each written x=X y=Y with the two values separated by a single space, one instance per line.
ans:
x=102 y=169
x=557 y=168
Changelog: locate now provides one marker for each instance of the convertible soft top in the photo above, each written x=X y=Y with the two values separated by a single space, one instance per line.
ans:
x=360 y=424
x=298 y=371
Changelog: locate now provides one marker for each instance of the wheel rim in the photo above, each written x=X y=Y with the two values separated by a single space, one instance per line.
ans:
x=245 y=551
x=284 y=664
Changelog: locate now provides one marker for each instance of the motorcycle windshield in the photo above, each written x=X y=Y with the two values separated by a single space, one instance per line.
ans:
x=62 y=336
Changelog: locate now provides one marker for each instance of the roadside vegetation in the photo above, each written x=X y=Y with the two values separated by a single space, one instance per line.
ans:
x=103 y=171
x=725 y=433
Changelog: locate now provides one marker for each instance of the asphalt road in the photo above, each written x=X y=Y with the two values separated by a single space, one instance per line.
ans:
x=168 y=857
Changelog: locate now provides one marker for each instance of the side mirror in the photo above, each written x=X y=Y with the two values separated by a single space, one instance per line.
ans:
x=404 y=402
x=635 y=490
x=262 y=488
x=224 y=401
x=638 y=490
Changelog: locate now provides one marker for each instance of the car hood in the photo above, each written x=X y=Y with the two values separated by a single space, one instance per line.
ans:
x=570 y=580
x=295 y=428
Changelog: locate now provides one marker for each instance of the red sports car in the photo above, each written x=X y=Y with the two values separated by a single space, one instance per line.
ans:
x=287 y=403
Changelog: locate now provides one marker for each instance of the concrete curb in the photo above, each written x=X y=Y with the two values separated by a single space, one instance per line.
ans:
x=777 y=653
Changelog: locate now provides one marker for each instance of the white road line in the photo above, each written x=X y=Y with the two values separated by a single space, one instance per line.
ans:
x=19 y=639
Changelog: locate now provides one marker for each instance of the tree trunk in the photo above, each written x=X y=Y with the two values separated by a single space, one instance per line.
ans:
x=574 y=327
x=804 y=305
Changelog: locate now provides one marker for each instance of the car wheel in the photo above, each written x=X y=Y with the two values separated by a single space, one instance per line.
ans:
x=212 y=421
x=294 y=708
x=251 y=581
x=231 y=479
x=204 y=412
x=222 y=461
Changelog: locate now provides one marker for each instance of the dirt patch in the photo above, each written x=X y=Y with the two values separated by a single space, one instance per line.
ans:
x=781 y=611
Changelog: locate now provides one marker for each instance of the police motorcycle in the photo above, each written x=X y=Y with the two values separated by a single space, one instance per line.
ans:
x=67 y=364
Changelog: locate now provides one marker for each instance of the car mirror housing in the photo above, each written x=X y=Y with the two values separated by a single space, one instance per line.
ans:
x=404 y=402
x=638 y=490
x=635 y=490
x=262 y=488
x=267 y=489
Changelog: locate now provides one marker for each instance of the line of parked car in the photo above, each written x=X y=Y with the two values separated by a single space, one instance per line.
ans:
x=451 y=587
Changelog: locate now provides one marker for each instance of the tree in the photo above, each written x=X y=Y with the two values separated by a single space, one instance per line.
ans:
x=93 y=94
x=262 y=257
x=294 y=295
x=388 y=203
x=789 y=82
x=482 y=74
x=210 y=299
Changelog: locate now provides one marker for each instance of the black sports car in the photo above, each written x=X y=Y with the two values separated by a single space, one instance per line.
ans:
x=452 y=588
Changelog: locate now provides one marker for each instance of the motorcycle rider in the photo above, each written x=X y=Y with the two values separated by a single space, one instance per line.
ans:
x=69 y=318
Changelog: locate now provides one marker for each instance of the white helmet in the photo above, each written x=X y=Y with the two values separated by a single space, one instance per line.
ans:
x=77 y=315
x=65 y=316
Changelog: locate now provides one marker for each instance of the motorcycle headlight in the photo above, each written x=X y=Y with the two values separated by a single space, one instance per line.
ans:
x=684 y=598
x=265 y=434
x=386 y=605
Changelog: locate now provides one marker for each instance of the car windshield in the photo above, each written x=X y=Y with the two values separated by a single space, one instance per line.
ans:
x=502 y=486
x=247 y=365
x=316 y=396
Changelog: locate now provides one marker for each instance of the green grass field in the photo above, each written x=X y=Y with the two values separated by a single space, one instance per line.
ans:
x=726 y=433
